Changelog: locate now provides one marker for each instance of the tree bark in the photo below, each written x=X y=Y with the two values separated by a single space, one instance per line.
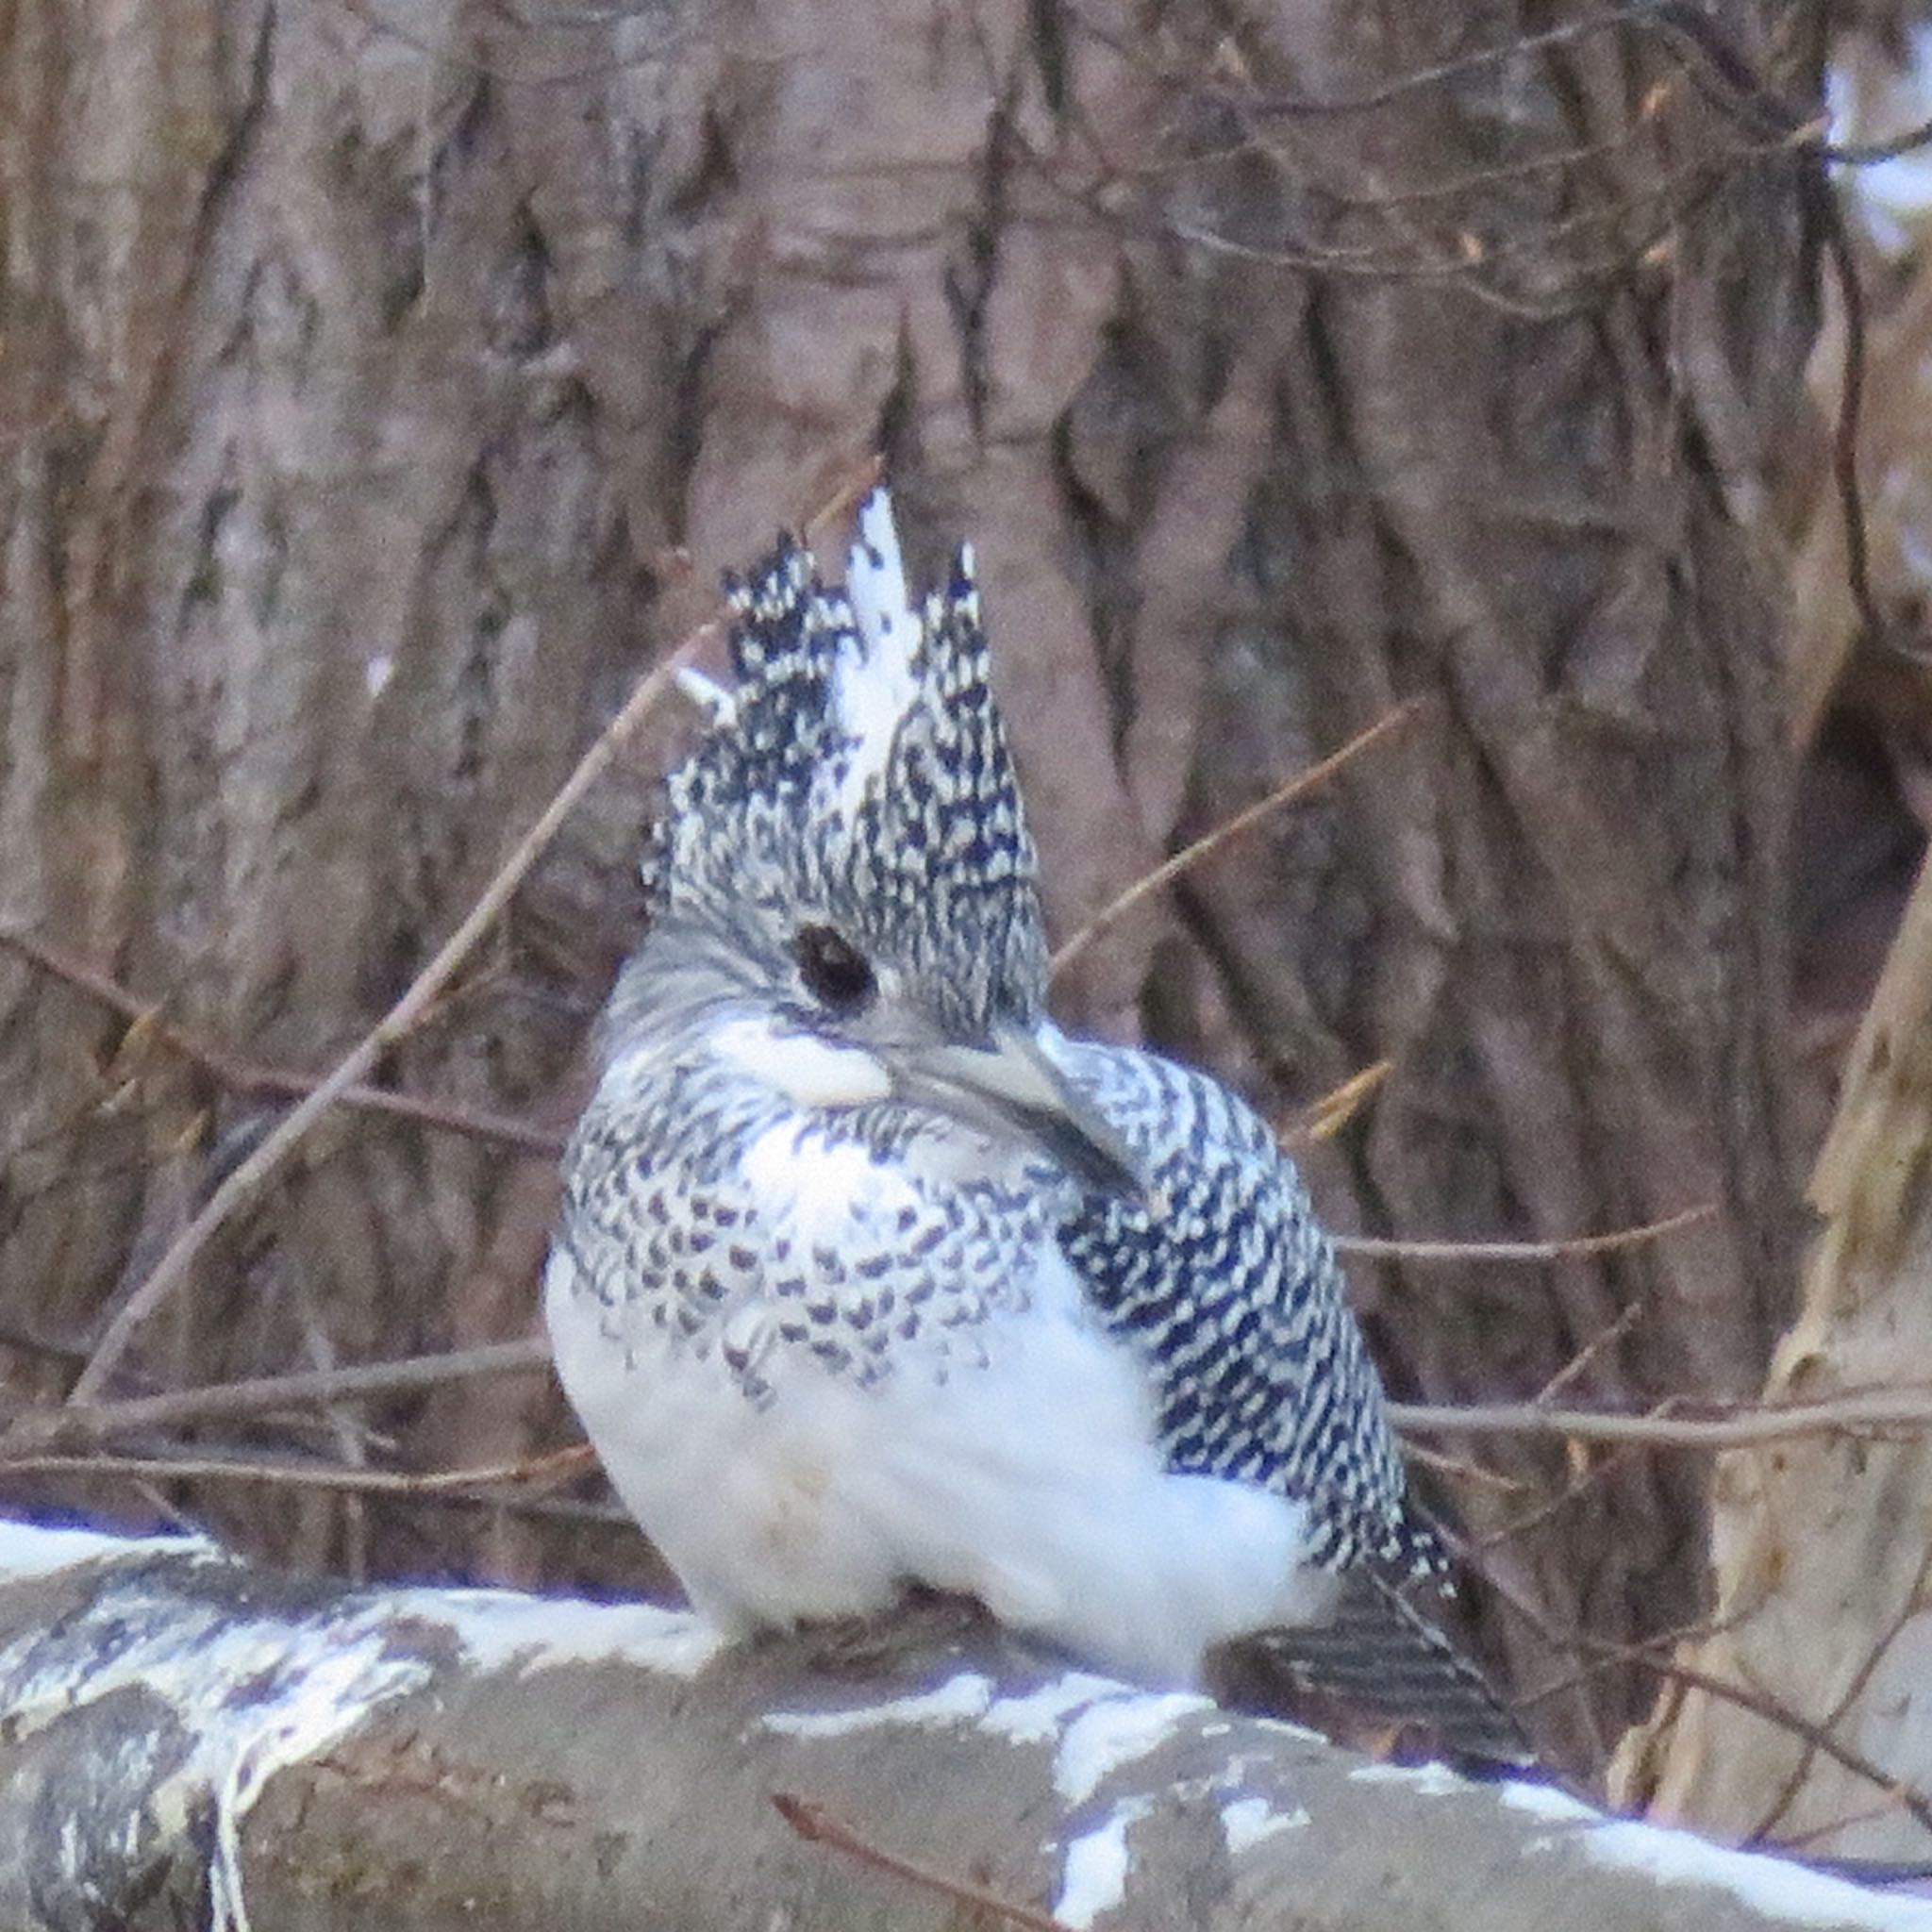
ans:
x=1822 y=1555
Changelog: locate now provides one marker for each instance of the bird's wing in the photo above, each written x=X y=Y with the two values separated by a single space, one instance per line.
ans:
x=1230 y=1291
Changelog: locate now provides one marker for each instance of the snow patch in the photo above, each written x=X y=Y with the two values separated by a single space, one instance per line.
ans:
x=254 y=1694
x=959 y=1700
x=1547 y=1800
x=1093 y=1878
x=1773 y=1887
x=1117 y=1732
x=1248 y=1822
x=32 y=1549
x=1036 y=1717
x=258 y=1690
x=503 y=1629
x=1425 y=1781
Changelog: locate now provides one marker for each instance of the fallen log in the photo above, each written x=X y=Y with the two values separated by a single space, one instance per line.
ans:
x=187 y=1739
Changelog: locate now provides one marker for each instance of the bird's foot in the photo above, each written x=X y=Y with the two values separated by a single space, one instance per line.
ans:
x=919 y=1624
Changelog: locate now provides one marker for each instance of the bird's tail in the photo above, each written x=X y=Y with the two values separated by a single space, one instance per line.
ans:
x=1379 y=1676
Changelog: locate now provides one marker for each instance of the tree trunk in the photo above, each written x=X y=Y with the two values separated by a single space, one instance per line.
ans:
x=372 y=369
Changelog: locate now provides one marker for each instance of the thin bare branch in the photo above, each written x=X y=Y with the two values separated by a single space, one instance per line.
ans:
x=1332 y=1111
x=246 y=1076
x=1190 y=856
x=1911 y=1605
x=1480 y=60
x=1612 y=1332
x=1746 y=1696
x=816 y=1826
x=559 y=1465
x=1880 y=1409
x=78 y=1424
x=1569 y=1248
x=252 y=1173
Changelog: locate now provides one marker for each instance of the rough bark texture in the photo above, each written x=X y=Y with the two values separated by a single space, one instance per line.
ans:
x=368 y=368
x=191 y=1739
x=1822 y=1551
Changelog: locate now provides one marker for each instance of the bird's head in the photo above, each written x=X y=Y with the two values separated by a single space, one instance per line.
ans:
x=844 y=872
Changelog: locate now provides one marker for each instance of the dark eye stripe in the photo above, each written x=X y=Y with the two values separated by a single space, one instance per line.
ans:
x=834 y=970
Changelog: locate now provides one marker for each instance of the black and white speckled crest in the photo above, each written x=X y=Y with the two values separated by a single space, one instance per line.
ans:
x=858 y=773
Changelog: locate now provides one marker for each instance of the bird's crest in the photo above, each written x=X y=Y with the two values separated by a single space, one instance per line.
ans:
x=857 y=773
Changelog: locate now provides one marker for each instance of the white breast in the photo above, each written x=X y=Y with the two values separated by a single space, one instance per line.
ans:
x=1031 y=1481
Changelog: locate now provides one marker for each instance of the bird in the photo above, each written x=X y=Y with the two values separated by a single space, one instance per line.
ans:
x=869 y=1278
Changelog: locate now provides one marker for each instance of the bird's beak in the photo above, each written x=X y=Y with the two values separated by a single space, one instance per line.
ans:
x=1010 y=1083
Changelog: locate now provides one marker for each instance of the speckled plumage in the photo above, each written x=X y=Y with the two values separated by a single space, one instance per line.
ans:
x=866 y=1274
x=1232 y=1292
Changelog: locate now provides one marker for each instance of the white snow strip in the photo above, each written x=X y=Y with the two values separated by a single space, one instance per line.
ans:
x=31 y=1549
x=1281 y=1727
x=1036 y=1717
x=1094 y=1875
x=1773 y=1887
x=1118 y=1732
x=1426 y=1780
x=502 y=1629
x=1547 y=1800
x=320 y=1690
x=959 y=1700
x=1247 y=1821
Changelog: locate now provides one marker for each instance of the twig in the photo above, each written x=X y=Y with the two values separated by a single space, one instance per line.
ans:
x=1607 y=1336
x=245 y=1076
x=846 y=496
x=1189 y=856
x=1327 y=1116
x=1746 y=1696
x=1583 y=1474
x=1739 y=1429
x=248 y=1178
x=1482 y=60
x=1566 y=1249
x=1871 y=153
x=381 y=1482
x=1910 y=1605
x=78 y=1424
x=817 y=1827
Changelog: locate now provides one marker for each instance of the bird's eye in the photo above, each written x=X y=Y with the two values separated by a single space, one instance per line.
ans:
x=833 y=968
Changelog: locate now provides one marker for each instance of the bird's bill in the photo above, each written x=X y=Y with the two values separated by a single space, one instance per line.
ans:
x=1011 y=1084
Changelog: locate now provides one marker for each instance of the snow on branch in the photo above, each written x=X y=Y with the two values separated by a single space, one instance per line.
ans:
x=187 y=1739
